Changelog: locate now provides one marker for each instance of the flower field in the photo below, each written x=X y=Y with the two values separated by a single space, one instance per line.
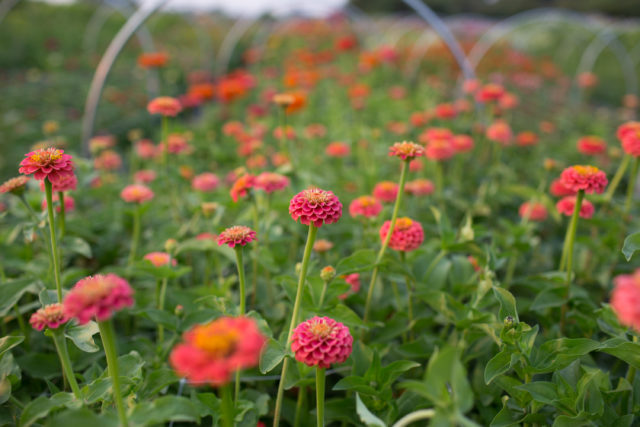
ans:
x=334 y=231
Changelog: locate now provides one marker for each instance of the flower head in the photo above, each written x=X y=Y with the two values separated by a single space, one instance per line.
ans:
x=108 y=160
x=160 y=259
x=164 y=105
x=271 y=181
x=353 y=280
x=66 y=183
x=315 y=206
x=406 y=150
x=567 y=204
x=533 y=211
x=205 y=182
x=50 y=316
x=241 y=186
x=591 y=145
x=136 y=193
x=419 y=187
x=500 y=131
x=625 y=299
x=322 y=245
x=629 y=135
x=587 y=178
x=558 y=189
x=526 y=138
x=50 y=163
x=144 y=176
x=321 y=341
x=337 y=149
x=386 y=191
x=213 y=352
x=236 y=235
x=366 y=206
x=462 y=143
x=15 y=185
x=440 y=149
x=97 y=297
x=153 y=59
x=407 y=234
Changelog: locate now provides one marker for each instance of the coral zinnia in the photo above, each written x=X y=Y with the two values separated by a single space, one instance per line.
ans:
x=236 y=235
x=50 y=163
x=136 y=193
x=242 y=186
x=337 y=149
x=587 y=178
x=419 y=187
x=625 y=299
x=160 y=259
x=97 y=297
x=205 y=182
x=212 y=352
x=407 y=234
x=533 y=211
x=591 y=145
x=50 y=316
x=440 y=149
x=406 y=150
x=386 y=191
x=164 y=105
x=315 y=206
x=321 y=341
x=462 y=143
x=566 y=205
x=15 y=185
x=366 y=206
x=271 y=181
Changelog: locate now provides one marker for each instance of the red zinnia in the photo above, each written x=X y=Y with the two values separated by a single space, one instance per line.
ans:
x=242 y=186
x=271 y=181
x=566 y=205
x=625 y=299
x=321 y=341
x=315 y=206
x=50 y=163
x=366 y=206
x=533 y=211
x=591 y=145
x=97 y=297
x=164 y=105
x=587 y=178
x=407 y=234
x=386 y=191
x=406 y=150
x=236 y=235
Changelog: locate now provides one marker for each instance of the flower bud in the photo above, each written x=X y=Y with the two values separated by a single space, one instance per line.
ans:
x=170 y=245
x=328 y=273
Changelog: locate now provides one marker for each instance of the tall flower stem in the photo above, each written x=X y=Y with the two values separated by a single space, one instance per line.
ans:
x=241 y=280
x=109 y=344
x=165 y=144
x=311 y=238
x=300 y=405
x=136 y=234
x=385 y=244
x=320 y=381
x=63 y=354
x=227 y=406
x=570 y=239
x=63 y=214
x=254 y=261
x=55 y=256
x=161 y=298
x=617 y=177
x=325 y=285
x=633 y=174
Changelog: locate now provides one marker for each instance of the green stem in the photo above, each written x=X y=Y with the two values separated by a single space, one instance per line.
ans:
x=109 y=344
x=571 y=236
x=21 y=323
x=439 y=178
x=165 y=143
x=311 y=237
x=241 y=279
x=616 y=178
x=322 y=294
x=631 y=185
x=254 y=261
x=63 y=354
x=227 y=406
x=320 y=382
x=302 y=397
x=161 y=299
x=434 y=263
x=135 y=236
x=383 y=248
x=52 y=231
x=62 y=214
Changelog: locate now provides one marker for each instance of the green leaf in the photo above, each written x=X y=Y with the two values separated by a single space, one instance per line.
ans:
x=41 y=406
x=507 y=303
x=541 y=391
x=498 y=365
x=82 y=336
x=631 y=245
x=83 y=417
x=271 y=356
x=163 y=409
x=360 y=260
x=12 y=291
x=8 y=342
x=559 y=353
x=357 y=384
x=344 y=314
x=366 y=416
x=78 y=246
x=623 y=350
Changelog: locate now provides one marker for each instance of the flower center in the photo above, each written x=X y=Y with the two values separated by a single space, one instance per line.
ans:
x=216 y=339
x=315 y=195
x=403 y=223
x=321 y=329
x=46 y=156
x=367 y=201
x=585 y=170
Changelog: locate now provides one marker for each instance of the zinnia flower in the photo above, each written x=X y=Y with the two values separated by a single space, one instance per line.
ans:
x=236 y=235
x=205 y=182
x=490 y=92
x=558 y=189
x=629 y=135
x=50 y=316
x=337 y=149
x=15 y=185
x=160 y=259
x=144 y=176
x=164 y=105
x=136 y=193
x=322 y=245
x=526 y=138
x=271 y=181
x=213 y=352
x=97 y=297
x=353 y=280
x=386 y=191
x=242 y=186
x=153 y=59
x=566 y=205
x=440 y=149
x=145 y=149
x=587 y=178
x=625 y=299
x=107 y=161
x=419 y=187
x=462 y=143
x=315 y=206
x=406 y=150
x=321 y=341
x=407 y=234
x=67 y=183
x=499 y=131
x=50 y=163
x=533 y=211
x=591 y=145
x=366 y=206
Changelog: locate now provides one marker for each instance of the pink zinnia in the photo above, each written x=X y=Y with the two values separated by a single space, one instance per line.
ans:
x=337 y=149
x=366 y=206
x=462 y=143
x=107 y=161
x=526 y=138
x=440 y=149
x=97 y=297
x=407 y=234
x=176 y=144
x=15 y=185
x=353 y=280
x=66 y=183
x=160 y=259
x=145 y=149
x=236 y=235
x=566 y=205
x=145 y=176
x=315 y=206
x=321 y=342
x=242 y=186
x=500 y=132
x=271 y=181
x=629 y=135
x=386 y=191
x=533 y=211
x=50 y=316
x=587 y=178
x=406 y=150
x=213 y=352
x=558 y=189
x=625 y=299
x=205 y=182
x=136 y=193
x=207 y=236
x=591 y=145
x=50 y=163
x=164 y=105
x=69 y=203
x=419 y=187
